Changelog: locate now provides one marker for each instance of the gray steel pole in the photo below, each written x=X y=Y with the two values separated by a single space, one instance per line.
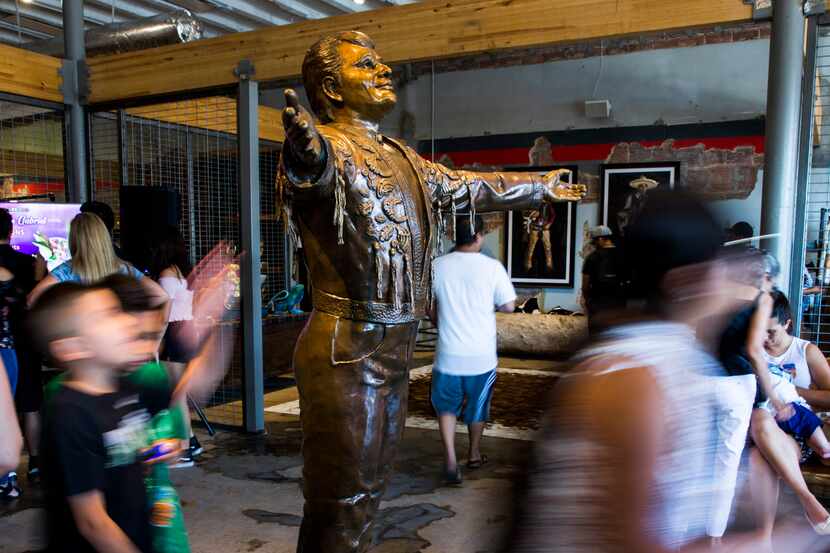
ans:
x=253 y=406
x=782 y=130
x=805 y=151
x=73 y=36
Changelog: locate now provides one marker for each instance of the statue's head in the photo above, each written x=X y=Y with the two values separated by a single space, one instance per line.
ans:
x=343 y=72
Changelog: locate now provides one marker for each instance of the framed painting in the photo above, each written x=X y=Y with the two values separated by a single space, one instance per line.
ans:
x=625 y=189
x=541 y=243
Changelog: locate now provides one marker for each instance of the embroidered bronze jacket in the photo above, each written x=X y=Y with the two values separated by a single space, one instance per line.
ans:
x=371 y=223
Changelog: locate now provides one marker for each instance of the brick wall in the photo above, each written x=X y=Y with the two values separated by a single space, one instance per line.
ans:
x=671 y=39
x=711 y=173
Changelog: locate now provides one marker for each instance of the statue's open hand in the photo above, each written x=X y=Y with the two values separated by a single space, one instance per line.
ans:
x=558 y=191
x=301 y=135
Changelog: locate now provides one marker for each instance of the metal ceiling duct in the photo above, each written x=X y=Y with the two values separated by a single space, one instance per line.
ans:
x=165 y=28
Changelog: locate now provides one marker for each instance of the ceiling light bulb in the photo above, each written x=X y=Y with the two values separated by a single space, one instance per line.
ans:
x=361 y=2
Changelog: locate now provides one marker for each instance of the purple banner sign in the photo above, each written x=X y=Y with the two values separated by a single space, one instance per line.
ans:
x=42 y=228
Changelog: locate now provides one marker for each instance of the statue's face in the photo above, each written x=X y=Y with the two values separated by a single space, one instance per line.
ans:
x=365 y=82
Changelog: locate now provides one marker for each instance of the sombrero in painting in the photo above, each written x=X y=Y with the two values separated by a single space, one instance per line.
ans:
x=643 y=183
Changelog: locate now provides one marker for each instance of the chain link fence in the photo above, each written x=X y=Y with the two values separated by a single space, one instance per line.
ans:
x=191 y=147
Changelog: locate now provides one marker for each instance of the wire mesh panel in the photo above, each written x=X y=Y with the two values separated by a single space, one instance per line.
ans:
x=105 y=158
x=190 y=146
x=273 y=246
x=31 y=151
x=816 y=317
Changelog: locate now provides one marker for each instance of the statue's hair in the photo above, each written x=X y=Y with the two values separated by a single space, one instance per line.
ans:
x=323 y=60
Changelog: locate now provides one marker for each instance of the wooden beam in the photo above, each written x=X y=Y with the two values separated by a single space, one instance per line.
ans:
x=30 y=74
x=217 y=113
x=425 y=30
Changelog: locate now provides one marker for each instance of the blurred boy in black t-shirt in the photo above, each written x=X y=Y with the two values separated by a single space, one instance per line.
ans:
x=96 y=423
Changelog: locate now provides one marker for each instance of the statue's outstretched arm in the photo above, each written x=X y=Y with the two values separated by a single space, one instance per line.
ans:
x=500 y=191
x=304 y=155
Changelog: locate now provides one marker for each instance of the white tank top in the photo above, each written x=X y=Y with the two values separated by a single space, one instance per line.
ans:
x=795 y=355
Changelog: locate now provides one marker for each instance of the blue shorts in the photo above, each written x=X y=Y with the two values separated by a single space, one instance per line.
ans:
x=9 y=358
x=802 y=424
x=449 y=392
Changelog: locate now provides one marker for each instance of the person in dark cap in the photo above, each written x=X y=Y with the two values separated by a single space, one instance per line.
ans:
x=603 y=282
x=741 y=231
x=468 y=287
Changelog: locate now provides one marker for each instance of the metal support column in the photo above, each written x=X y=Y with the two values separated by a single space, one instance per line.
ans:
x=783 y=110
x=795 y=285
x=123 y=153
x=253 y=407
x=74 y=85
x=191 y=200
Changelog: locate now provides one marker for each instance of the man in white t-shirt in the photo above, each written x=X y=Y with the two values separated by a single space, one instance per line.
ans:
x=468 y=287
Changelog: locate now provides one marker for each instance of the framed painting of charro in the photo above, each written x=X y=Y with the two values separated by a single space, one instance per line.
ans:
x=625 y=189
x=540 y=243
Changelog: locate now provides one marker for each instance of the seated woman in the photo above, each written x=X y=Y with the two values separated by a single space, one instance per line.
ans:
x=784 y=354
x=93 y=259
x=777 y=454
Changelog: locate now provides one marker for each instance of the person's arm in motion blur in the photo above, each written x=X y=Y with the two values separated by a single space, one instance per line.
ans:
x=10 y=438
x=211 y=292
x=755 y=350
x=96 y=526
x=508 y=307
x=47 y=282
x=628 y=425
x=819 y=395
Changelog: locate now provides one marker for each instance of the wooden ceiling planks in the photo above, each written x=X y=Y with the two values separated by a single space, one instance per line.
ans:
x=425 y=30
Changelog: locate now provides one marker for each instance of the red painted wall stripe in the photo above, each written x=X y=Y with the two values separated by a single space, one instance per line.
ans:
x=591 y=152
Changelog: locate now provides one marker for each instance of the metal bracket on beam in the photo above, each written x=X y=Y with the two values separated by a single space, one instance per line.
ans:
x=762 y=9
x=245 y=71
x=814 y=7
x=75 y=86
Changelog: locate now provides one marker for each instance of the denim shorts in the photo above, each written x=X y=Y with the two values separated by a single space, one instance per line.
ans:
x=802 y=424
x=9 y=358
x=449 y=392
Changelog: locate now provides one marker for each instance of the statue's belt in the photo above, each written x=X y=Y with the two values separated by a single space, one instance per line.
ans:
x=369 y=311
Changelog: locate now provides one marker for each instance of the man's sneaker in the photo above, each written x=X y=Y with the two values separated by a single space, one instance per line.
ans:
x=9 y=489
x=195 y=447
x=185 y=461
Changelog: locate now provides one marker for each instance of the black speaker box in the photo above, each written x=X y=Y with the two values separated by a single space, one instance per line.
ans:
x=146 y=211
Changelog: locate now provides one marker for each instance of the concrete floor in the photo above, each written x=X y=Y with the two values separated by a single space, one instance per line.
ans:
x=244 y=494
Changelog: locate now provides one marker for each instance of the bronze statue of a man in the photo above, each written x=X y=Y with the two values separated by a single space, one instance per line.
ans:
x=369 y=213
